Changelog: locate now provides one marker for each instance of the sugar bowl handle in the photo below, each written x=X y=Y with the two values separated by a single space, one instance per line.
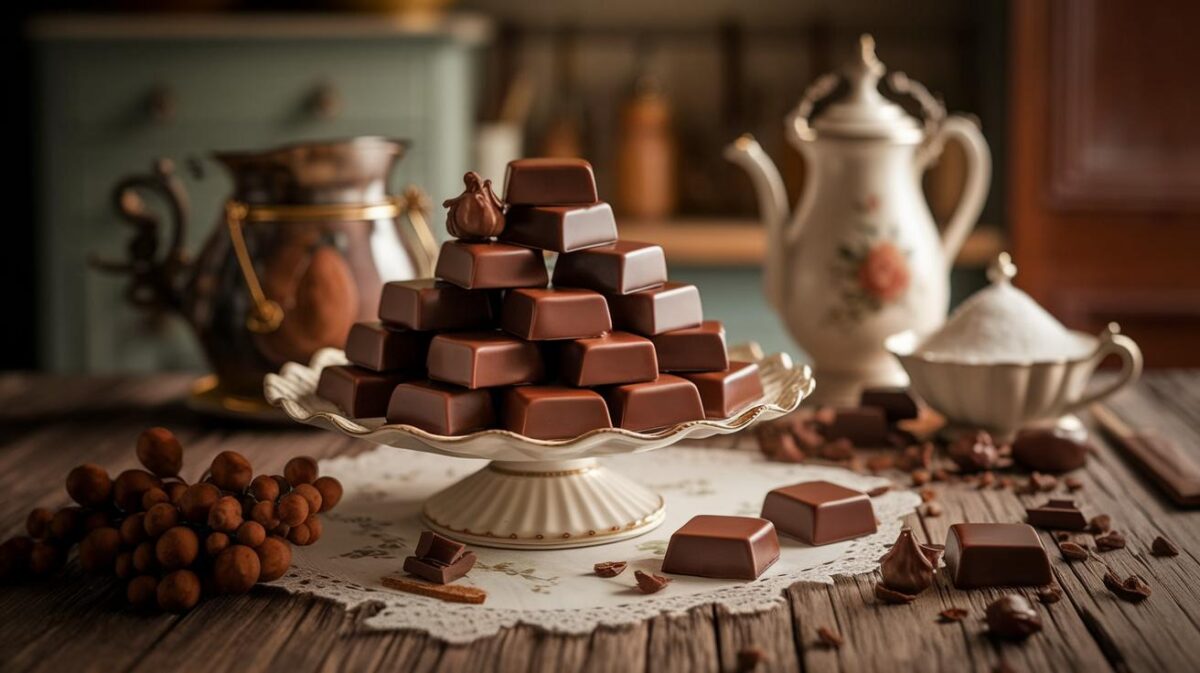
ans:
x=1112 y=342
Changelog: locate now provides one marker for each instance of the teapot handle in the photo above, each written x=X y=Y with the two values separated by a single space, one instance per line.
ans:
x=979 y=176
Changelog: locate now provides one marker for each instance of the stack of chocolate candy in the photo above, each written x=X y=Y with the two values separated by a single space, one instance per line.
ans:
x=495 y=341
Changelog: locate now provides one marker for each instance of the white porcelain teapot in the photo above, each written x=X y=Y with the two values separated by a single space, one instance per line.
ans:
x=861 y=258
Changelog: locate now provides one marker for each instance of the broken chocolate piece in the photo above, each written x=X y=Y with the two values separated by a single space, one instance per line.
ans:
x=1072 y=551
x=358 y=392
x=728 y=547
x=952 y=615
x=693 y=349
x=1110 y=541
x=996 y=554
x=549 y=182
x=905 y=567
x=620 y=268
x=1163 y=547
x=830 y=638
x=1056 y=514
x=560 y=229
x=819 y=512
x=438 y=548
x=1050 y=594
x=897 y=403
x=438 y=572
x=1101 y=523
x=476 y=213
x=1049 y=450
x=487 y=266
x=1013 y=617
x=609 y=568
x=974 y=452
x=891 y=595
x=862 y=426
x=1133 y=588
x=649 y=583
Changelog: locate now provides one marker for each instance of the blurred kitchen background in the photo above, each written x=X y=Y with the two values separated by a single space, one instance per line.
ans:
x=1089 y=107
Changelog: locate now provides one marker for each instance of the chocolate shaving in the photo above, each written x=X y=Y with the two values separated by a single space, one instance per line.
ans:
x=1101 y=523
x=1163 y=547
x=952 y=615
x=648 y=583
x=451 y=593
x=1050 y=594
x=749 y=658
x=1133 y=588
x=1012 y=617
x=609 y=568
x=891 y=596
x=829 y=637
x=1110 y=541
x=1073 y=552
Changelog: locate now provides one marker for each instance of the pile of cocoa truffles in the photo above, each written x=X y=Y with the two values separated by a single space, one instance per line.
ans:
x=172 y=541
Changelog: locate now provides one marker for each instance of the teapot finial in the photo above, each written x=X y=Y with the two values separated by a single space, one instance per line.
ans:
x=1002 y=269
x=864 y=72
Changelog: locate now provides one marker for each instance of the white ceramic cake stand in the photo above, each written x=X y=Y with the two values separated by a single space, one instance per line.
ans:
x=538 y=494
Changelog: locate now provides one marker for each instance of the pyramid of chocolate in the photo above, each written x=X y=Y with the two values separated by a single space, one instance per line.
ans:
x=495 y=340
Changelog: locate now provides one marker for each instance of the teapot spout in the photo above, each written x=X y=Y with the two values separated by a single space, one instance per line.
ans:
x=773 y=209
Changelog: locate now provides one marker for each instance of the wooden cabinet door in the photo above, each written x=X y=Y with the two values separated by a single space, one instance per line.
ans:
x=1105 y=167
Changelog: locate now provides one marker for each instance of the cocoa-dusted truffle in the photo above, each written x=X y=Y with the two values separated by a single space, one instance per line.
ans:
x=130 y=485
x=311 y=495
x=236 y=570
x=299 y=535
x=179 y=591
x=96 y=519
x=45 y=557
x=142 y=591
x=89 y=485
x=216 y=543
x=1013 y=617
x=300 y=470
x=14 y=557
x=274 y=557
x=153 y=497
x=98 y=551
x=175 y=491
x=331 y=492
x=144 y=559
x=264 y=487
x=123 y=565
x=477 y=212
x=160 y=452
x=197 y=500
x=133 y=529
x=225 y=515
x=231 y=471
x=292 y=509
x=905 y=567
x=177 y=548
x=251 y=534
x=67 y=525
x=160 y=518
x=37 y=524
x=315 y=528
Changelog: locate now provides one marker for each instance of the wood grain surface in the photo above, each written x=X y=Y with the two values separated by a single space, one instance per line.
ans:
x=49 y=424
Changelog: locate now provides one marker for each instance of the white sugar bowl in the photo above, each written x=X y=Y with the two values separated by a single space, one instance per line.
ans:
x=1001 y=362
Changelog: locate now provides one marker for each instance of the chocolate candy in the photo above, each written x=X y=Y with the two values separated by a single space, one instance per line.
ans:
x=651 y=312
x=897 y=403
x=655 y=404
x=553 y=412
x=726 y=392
x=439 y=559
x=429 y=305
x=484 y=359
x=862 y=426
x=560 y=228
x=358 y=392
x=1056 y=514
x=441 y=409
x=486 y=265
x=371 y=345
x=1049 y=450
x=693 y=349
x=620 y=268
x=557 y=313
x=726 y=547
x=549 y=182
x=996 y=554
x=616 y=357
x=819 y=512
x=476 y=213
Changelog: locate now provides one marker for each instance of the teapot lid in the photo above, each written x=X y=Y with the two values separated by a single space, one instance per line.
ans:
x=864 y=113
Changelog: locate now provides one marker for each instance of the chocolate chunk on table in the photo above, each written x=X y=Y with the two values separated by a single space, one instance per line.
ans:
x=616 y=357
x=651 y=405
x=1049 y=450
x=819 y=512
x=438 y=548
x=862 y=426
x=372 y=345
x=441 y=408
x=484 y=359
x=727 y=392
x=539 y=314
x=726 y=547
x=1056 y=514
x=693 y=349
x=897 y=403
x=434 y=306
x=440 y=573
x=560 y=228
x=620 y=268
x=671 y=307
x=358 y=392
x=549 y=182
x=996 y=554
x=553 y=412
x=489 y=266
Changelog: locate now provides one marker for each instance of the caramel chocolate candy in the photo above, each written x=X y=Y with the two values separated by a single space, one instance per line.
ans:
x=996 y=554
x=484 y=359
x=651 y=312
x=1056 y=514
x=819 y=512
x=693 y=349
x=553 y=412
x=490 y=266
x=620 y=268
x=862 y=426
x=728 y=392
x=897 y=403
x=651 y=405
x=540 y=314
x=549 y=182
x=358 y=392
x=441 y=409
x=371 y=345
x=432 y=306
x=560 y=228
x=616 y=357
x=725 y=547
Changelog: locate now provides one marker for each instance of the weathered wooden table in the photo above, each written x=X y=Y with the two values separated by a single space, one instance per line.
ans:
x=49 y=424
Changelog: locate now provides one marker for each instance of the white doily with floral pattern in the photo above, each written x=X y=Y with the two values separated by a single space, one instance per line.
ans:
x=377 y=525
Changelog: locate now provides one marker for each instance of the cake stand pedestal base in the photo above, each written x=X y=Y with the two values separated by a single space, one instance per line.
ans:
x=544 y=505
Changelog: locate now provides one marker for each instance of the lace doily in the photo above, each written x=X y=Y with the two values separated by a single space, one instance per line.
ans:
x=377 y=525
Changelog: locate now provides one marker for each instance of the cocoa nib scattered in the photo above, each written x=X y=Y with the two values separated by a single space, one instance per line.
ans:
x=891 y=595
x=974 y=452
x=649 y=583
x=1073 y=483
x=1101 y=523
x=1163 y=547
x=610 y=568
x=1042 y=482
x=749 y=658
x=1109 y=541
x=1073 y=552
x=952 y=615
x=1133 y=588
x=1050 y=594
x=829 y=637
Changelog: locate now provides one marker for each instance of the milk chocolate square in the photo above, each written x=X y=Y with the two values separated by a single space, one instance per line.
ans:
x=560 y=228
x=484 y=359
x=996 y=554
x=651 y=405
x=371 y=345
x=693 y=349
x=620 y=268
x=727 y=392
x=441 y=408
x=539 y=314
x=616 y=357
x=863 y=426
x=725 y=547
x=549 y=182
x=488 y=266
x=358 y=392
x=433 y=306
x=553 y=412
x=1056 y=514
x=651 y=312
x=819 y=512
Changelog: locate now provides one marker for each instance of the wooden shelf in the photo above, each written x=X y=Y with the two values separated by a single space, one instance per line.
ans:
x=732 y=242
